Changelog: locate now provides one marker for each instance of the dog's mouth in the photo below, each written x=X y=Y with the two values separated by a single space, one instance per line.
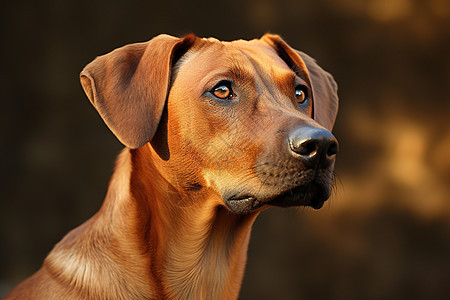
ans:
x=242 y=204
x=313 y=195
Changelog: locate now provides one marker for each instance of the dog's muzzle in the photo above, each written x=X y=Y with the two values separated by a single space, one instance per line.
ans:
x=300 y=175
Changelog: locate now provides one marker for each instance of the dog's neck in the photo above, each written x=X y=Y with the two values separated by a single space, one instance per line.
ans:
x=181 y=246
x=198 y=247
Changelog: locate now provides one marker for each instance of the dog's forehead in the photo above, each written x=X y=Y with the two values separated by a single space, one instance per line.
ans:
x=211 y=56
x=255 y=50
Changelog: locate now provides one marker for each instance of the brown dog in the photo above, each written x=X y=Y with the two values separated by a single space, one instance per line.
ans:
x=215 y=133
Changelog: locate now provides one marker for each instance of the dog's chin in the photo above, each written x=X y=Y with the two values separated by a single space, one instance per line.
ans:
x=313 y=195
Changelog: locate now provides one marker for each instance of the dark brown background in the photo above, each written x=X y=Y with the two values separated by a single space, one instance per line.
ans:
x=386 y=232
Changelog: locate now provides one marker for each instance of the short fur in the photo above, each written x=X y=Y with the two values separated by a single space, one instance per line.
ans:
x=176 y=221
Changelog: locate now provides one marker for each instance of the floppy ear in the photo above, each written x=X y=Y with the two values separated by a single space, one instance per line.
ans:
x=326 y=101
x=129 y=86
x=324 y=88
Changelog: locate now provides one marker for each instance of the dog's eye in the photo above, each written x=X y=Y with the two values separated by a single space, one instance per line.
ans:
x=301 y=94
x=223 y=90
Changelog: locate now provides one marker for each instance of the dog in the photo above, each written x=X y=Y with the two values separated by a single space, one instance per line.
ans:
x=215 y=132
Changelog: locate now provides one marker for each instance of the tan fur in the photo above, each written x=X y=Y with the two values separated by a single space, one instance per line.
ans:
x=164 y=230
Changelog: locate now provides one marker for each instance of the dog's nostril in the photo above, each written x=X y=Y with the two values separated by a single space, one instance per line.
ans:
x=333 y=149
x=306 y=148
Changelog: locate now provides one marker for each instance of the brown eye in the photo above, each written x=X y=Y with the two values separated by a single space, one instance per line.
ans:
x=223 y=91
x=300 y=94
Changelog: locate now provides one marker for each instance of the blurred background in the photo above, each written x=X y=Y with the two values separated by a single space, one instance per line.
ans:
x=385 y=234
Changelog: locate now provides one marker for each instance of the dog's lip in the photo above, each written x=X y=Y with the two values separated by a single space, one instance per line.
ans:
x=313 y=195
x=240 y=197
x=243 y=203
x=318 y=204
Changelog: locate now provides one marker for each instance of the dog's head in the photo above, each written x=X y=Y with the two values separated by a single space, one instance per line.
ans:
x=249 y=121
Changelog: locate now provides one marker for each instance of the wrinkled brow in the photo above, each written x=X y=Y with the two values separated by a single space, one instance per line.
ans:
x=239 y=74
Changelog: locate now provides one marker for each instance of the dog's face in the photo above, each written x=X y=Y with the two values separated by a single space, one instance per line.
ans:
x=241 y=121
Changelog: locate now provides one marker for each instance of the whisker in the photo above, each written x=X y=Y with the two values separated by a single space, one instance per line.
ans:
x=335 y=183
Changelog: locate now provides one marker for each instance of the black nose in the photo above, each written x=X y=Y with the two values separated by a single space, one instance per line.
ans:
x=317 y=147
